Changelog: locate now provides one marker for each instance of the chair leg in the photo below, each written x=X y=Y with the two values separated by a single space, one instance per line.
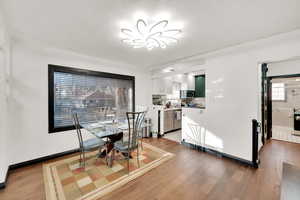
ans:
x=100 y=148
x=137 y=157
x=80 y=158
x=112 y=157
x=128 y=159
x=107 y=160
x=84 y=160
x=142 y=144
x=106 y=156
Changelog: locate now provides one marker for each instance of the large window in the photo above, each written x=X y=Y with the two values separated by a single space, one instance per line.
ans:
x=96 y=93
x=278 y=92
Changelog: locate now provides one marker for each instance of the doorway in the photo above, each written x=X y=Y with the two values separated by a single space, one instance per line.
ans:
x=286 y=107
x=281 y=101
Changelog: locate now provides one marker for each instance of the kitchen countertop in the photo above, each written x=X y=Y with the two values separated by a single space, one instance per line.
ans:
x=194 y=107
x=178 y=108
x=166 y=109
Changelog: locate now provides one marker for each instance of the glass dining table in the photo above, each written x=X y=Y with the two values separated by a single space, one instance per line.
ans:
x=103 y=129
x=106 y=129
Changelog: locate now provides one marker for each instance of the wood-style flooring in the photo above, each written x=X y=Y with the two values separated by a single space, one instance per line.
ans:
x=189 y=175
x=290 y=185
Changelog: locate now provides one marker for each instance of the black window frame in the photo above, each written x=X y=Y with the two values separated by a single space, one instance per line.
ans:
x=58 y=68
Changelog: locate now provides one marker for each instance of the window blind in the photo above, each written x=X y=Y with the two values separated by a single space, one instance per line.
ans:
x=93 y=97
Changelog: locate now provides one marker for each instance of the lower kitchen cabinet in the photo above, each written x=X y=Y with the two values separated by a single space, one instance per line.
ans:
x=168 y=121
x=171 y=121
x=177 y=119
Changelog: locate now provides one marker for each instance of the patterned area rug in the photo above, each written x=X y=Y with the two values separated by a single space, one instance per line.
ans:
x=66 y=180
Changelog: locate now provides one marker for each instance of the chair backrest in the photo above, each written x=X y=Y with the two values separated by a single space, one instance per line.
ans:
x=78 y=129
x=135 y=120
x=140 y=130
x=87 y=115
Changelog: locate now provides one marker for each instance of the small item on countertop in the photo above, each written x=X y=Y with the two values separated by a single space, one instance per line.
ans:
x=168 y=105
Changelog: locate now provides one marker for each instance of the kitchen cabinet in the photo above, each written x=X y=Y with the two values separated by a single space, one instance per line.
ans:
x=168 y=121
x=177 y=121
x=190 y=81
x=200 y=86
x=171 y=122
x=162 y=85
x=166 y=85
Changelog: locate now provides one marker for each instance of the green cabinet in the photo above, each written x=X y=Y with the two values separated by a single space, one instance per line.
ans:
x=200 y=86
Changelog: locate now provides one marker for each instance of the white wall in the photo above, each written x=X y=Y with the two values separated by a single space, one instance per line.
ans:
x=284 y=67
x=28 y=136
x=3 y=119
x=231 y=104
x=4 y=89
x=233 y=91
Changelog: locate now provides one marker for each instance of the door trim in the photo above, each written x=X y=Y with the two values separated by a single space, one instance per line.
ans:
x=264 y=82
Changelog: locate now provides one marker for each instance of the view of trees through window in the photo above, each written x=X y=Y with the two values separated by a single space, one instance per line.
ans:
x=99 y=97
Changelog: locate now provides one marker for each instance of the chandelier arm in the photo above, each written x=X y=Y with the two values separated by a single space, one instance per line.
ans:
x=154 y=35
x=161 y=43
x=170 y=38
x=178 y=31
x=158 y=23
x=138 y=26
x=127 y=31
x=126 y=40
x=164 y=44
x=157 y=42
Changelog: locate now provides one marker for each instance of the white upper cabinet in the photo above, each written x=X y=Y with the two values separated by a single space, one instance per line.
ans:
x=162 y=85
x=155 y=86
x=190 y=80
x=165 y=85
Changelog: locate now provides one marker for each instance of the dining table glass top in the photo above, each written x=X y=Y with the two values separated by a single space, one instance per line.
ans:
x=103 y=129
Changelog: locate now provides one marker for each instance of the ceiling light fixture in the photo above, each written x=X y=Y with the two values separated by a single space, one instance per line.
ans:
x=151 y=35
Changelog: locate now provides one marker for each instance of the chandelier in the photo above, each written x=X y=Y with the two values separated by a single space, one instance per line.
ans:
x=150 y=35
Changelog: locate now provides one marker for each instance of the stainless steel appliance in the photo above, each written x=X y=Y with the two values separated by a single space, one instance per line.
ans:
x=187 y=94
x=297 y=119
x=146 y=130
x=158 y=99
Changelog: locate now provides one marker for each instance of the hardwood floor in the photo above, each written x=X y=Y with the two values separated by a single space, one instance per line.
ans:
x=189 y=175
x=290 y=182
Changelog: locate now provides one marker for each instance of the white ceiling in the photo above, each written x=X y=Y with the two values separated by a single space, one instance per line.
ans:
x=92 y=27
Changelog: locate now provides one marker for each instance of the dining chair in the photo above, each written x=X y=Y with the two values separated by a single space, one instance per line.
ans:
x=130 y=143
x=140 y=130
x=86 y=145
